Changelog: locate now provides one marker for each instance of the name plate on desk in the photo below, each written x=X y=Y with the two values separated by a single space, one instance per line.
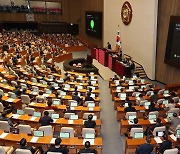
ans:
x=3 y=135
x=70 y=122
x=34 y=139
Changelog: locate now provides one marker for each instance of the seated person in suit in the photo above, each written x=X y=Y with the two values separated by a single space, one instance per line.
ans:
x=40 y=98
x=46 y=119
x=4 y=103
x=87 y=149
x=57 y=147
x=158 y=124
x=23 y=145
x=50 y=106
x=146 y=148
x=77 y=98
x=130 y=108
x=89 y=123
x=4 y=118
x=88 y=97
x=139 y=99
x=115 y=77
x=154 y=97
x=136 y=125
x=17 y=90
x=166 y=144
x=153 y=108
x=175 y=121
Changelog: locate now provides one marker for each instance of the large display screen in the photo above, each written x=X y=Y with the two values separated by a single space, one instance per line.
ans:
x=94 y=24
x=172 y=56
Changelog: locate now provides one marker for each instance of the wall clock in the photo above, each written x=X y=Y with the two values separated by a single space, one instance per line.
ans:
x=126 y=13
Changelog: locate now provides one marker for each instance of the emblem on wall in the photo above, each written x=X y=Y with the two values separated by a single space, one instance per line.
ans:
x=126 y=13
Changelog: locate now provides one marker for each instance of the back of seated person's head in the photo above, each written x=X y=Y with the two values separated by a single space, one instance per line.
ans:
x=58 y=141
x=152 y=105
x=49 y=103
x=156 y=92
x=87 y=144
x=76 y=93
x=148 y=140
x=165 y=137
x=0 y=96
x=173 y=93
x=158 y=120
x=141 y=95
x=88 y=94
x=175 y=115
x=3 y=114
x=129 y=104
x=90 y=89
x=23 y=142
x=46 y=113
x=90 y=117
x=52 y=88
x=40 y=93
x=135 y=121
x=127 y=99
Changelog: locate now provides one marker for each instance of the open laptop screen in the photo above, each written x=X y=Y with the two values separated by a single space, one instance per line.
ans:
x=138 y=135
x=64 y=135
x=38 y=133
x=55 y=116
x=73 y=117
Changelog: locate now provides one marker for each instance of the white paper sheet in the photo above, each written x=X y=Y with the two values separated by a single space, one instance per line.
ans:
x=91 y=109
x=15 y=116
x=70 y=122
x=34 y=139
x=158 y=140
x=3 y=135
x=33 y=118
x=173 y=137
x=10 y=100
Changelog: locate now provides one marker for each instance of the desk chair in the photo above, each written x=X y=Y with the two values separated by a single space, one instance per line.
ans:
x=87 y=130
x=1 y=108
x=159 y=129
x=160 y=101
x=170 y=106
x=67 y=115
x=4 y=125
x=161 y=92
x=13 y=83
x=23 y=151
x=11 y=94
x=29 y=110
x=6 y=149
x=69 y=130
x=171 y=151
x=175 y=99
x=25 y=99
x=25 y=129
x=85 y=115
x=48 y=130
x=135 y=130
x=174 y=110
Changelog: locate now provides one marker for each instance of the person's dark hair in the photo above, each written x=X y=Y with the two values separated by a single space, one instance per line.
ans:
x=175 y=115
x=23 y=142
x=129 y=104
x=141 y=95
x=76 y=93
x=155 y=92
x=148 y=140
x=90 y=117
x=135 y=121
x=58 y=141
x=158 y=120
x=0 y=96
x=88 y=94
x=165 y=137
x=87 y=144
x=40 y=93
x=46 y=113
x=49 y=103
x=3 y=114
x=152 y=105
x=90 y=89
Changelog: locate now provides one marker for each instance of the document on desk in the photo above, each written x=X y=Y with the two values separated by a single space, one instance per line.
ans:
x=34 y=139
x=91 y=109
x=15 y=116
x=52 y=140
x=158 y=140
x=38 y=84
x=33 y=118
x=54 y=120
x=152 y=121
x=10 y=100
x=131 y=122
x=31 y=103
x=46 y=95
x=90 y=140
x=72 y=108
x=166 y=120
x=3 y=135
x=7 y=87
x=70 y=122
x=173 y=137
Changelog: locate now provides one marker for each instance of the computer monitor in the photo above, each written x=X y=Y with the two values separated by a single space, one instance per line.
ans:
x=48 y=91
x=62 y=93
x=93 y=82
x=126 y=104
x=165 y=102
x=116 y=82
x=38 y=133
x=13 y=96
x=137 y=94
x=178 y=133
x=147 y=103
x=55 y=116
x=170 y=114
x=152 y=93
x=73 y=117
x=23 y=87
x=89 y=136
x=94 y=118
x=131 y=82
x=138 y=135
x=44 y=82
x=55 y=85
x=40 y=100
x=152 y=116
x=131 y=87
x=166 y=91
x=119 y=88
x=79 y=87
x=73 y=104
x=123 y=95
x=35 y=89
x=20 y=112
x=93 y=95
x=160 y=133
x=142 y=80
x=64 y=135
x=56 y=102
x=91 y=105
x=37 y=114
x=131 y=117
x=67 y=86
x=143 y=86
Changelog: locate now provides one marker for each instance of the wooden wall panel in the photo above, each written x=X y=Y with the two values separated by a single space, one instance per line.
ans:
x=164 y=72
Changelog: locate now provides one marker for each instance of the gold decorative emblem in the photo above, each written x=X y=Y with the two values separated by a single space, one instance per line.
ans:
x=126 y=13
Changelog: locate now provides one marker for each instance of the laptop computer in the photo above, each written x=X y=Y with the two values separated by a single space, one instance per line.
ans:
x=38 y=133
x=138 y=135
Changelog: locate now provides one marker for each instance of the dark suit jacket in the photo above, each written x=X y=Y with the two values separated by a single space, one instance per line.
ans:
x=154 y=97
x=89 y=124
x=88 y=98
x=46 y=120
x=76 y=98
x=134 y=126
x=60 y=149
x=87 y=151
x=157 y=125
x=130 y=109
x=28 y=148
x=145 y=149
x=165 y=145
